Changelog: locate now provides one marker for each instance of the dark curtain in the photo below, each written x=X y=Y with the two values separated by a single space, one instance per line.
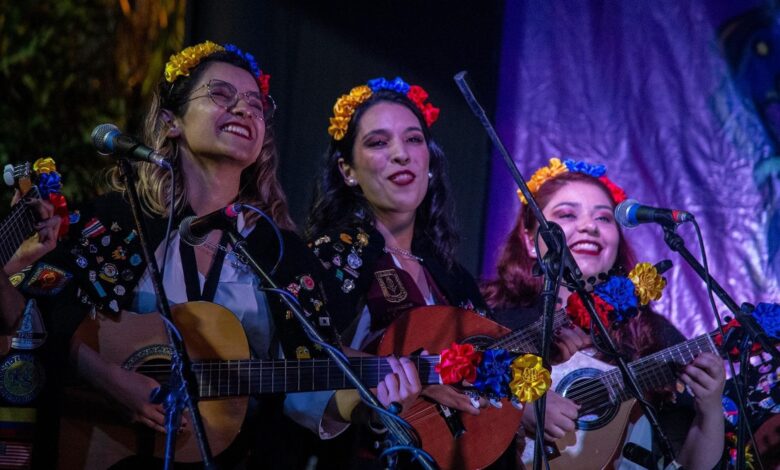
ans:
x=316 y=51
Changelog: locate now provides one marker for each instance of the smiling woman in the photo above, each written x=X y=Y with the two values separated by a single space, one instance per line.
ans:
x=381 y=225
x=580 y=198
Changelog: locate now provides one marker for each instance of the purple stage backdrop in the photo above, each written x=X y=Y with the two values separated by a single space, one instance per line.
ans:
x=648 y=89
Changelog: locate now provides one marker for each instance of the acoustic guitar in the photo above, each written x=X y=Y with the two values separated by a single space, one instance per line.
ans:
x=606 y=405
x=459 y=440
x=92 y=433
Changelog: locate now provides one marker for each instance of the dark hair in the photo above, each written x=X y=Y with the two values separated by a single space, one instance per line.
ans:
x=516 y=285
x=259 y=183
x=337 y=206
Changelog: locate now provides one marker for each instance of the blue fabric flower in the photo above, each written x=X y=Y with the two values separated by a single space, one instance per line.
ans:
x=768 y=316
x=494 y=373
x=397 y=85
x=592 y=169
x=246 y=56
x=618 y=291
x=49 y=183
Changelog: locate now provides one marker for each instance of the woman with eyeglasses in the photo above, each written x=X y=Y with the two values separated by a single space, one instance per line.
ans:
x=210 y=119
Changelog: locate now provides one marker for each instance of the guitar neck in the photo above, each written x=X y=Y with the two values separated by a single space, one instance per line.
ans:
x=16 y=227
x=658 y=370
x=245 y=377
x=528 y=339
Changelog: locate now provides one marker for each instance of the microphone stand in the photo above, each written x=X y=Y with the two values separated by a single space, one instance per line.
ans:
x=560 y=259
x=398 y=433
x=751 y=332
x=181 y=392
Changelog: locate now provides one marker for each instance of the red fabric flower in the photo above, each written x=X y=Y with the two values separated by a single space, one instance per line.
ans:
x=418 y=96
x=60 y=209
x=618 y=195
x=458 y=363
x=264 y=82
x=579 y=314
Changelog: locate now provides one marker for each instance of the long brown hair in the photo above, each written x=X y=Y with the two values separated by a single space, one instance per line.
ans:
x=259 y=185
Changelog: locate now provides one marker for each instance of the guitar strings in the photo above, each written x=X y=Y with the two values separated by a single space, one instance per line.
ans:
x=651 y=372
x=15 y=228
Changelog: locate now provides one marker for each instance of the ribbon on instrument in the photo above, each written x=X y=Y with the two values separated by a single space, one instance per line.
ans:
x=530 y=379
x=459 y=363
x=49 y=184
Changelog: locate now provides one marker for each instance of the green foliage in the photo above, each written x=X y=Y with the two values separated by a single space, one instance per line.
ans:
x=59 y=78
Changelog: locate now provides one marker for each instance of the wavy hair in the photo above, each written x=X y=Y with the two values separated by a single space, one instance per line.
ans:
x=259 y=185
x=337 y=206
x=516 y=285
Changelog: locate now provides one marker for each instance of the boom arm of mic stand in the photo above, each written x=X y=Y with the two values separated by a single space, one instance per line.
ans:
x=181 y=367
x=400 y=434
x=571 y=273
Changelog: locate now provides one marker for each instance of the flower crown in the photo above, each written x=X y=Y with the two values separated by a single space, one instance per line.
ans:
x=556 y=168
x=618 y=298
x=345 y=106
x=180 y=65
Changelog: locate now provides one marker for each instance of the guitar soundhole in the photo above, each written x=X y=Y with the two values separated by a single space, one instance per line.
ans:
x=153 y=361
x=479 y=341
x=583 y=387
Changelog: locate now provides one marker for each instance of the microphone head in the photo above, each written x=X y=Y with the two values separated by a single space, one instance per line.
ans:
x=624 y=213
x=103 y=138
x=185 y=232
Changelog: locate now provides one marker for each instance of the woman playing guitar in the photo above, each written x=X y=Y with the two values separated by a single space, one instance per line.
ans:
x=581 y=199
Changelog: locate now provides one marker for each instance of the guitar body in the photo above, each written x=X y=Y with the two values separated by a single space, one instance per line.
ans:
x=598 y=436
x=486 y=436
x=94 y=433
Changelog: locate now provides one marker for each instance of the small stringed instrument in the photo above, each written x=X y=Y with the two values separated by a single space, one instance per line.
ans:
x=93 y=436
x=459 y=440
x=19 y=224
x=606 y=404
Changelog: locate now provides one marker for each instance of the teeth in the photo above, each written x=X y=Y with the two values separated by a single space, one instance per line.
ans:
x=238 y=130
x=587 y=246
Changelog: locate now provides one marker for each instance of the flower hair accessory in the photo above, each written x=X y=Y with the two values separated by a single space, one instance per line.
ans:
x=347 y=104
x=618 y=298
x=180 y=65
x=556 y=168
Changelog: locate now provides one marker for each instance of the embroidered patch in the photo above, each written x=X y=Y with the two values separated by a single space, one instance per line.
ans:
x=346 y=238
x=93 y=228
x=336 y=260
x=338 y=247
x=46 y=279
x=22 y=378
x=32 y=332
x=362 y=238
x=294 y=288
x=391 y=286
x=321 y=240
x=348 y=285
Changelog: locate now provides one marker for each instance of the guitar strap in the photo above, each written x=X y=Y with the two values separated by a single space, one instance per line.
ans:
x=190 y=268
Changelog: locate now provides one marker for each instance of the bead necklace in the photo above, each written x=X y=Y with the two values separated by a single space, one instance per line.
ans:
x=401 y=252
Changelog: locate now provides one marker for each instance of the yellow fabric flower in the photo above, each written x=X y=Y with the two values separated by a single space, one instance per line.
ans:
x=44 y=165
x=648 y=284
x=344 y=109
x=541 y=176
x=530 y=379
x=179 y=65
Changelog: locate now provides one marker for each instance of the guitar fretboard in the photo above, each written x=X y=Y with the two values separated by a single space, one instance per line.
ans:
x=245 y=377
x=527 y=339
x=17 y=227
x=653 y=372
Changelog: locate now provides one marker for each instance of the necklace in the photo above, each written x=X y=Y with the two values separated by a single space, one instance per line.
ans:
x=401 y=252
x=235 y=259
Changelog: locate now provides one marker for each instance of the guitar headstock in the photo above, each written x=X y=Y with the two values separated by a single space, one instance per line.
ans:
x=19 y=176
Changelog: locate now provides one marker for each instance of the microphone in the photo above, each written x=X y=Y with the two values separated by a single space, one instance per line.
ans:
x=194 y=230
x=108 y=139
x=630 y=213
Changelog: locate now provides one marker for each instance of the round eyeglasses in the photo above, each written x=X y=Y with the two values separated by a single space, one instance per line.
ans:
x=225 y=95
